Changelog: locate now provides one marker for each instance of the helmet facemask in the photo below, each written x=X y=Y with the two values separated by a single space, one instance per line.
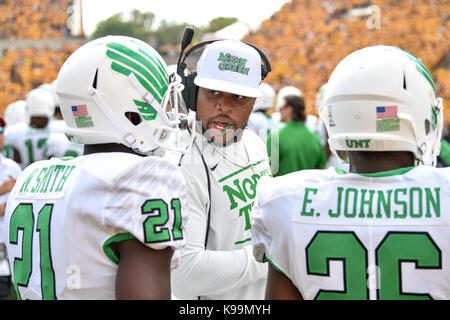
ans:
x=176 y=115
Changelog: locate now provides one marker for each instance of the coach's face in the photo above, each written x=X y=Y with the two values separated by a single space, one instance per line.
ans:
x=223 y=115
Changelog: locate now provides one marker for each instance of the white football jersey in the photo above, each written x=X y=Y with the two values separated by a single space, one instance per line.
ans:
x=59 y=146
x=63 y=215
x=260 y=124
x=29 y=142
x=357 y=236
x=57 y=125
x=9 y=169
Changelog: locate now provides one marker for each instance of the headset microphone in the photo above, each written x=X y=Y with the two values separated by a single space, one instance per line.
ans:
x=186 y=40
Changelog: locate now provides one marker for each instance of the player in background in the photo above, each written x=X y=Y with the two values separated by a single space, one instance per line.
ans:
x=281 y=95
x=9 y=171
x=260 y=122
x=26 y=140
x=58 y=145
x=380 y=231
x=56 y=123
x=14 y=113
x=103 y=225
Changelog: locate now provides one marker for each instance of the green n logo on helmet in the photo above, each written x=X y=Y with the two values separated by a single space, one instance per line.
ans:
x=146 y=110
x=421 y=68
x=143 y=63
x=433 y=117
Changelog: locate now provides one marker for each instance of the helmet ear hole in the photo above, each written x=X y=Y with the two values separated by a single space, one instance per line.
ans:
x=427 y=126
x=133 y=117
x=94 y=83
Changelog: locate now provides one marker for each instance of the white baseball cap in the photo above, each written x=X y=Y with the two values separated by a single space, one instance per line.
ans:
x=230 y=66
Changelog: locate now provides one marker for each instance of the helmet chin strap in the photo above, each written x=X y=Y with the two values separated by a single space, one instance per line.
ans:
x=127 y=136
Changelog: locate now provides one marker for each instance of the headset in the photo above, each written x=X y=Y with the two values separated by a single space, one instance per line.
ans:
x=190 y=88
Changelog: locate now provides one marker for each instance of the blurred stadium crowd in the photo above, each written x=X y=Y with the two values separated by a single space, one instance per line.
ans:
x=304 y=41
x=33 y=19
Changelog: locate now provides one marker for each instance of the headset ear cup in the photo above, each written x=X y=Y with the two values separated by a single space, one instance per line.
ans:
x=191 y=92
x=193 y=97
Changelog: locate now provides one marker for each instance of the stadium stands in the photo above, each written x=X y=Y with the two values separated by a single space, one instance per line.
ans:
x=33 y=19
x=24 y=67
x=306 y=39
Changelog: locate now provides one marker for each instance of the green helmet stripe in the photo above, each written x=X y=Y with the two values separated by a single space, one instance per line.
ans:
x=128 y=54
x=433 y=118
x=161 y=69
x=147 y=85
x=136 y=67
x=421 y=68
x=151 y=56
x=427 y=76
x=148 y=60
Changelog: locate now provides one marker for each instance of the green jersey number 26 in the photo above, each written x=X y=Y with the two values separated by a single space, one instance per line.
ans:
x=395 y=248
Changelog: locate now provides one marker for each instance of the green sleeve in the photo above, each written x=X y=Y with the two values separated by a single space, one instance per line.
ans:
x=445 y=151
x=269 y=139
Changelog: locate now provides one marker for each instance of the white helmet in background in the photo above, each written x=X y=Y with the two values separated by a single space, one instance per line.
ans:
x=51 y=87
x=109 y=80
x=40 y=103
x=382 y=98
x=16 y=112
x=266 y=101
x=284 y=92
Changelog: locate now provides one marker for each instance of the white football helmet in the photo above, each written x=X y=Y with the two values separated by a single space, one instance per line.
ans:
x=383 y=99
x=40 y=103
x=107 y=81
x=284 y=92
x=16 y=112
x=265 y=102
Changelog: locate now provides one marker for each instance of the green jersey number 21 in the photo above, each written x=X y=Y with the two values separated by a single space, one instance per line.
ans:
x=23 y=219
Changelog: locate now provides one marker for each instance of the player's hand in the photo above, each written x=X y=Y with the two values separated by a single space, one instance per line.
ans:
x=2 y=209
x=7 y=186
